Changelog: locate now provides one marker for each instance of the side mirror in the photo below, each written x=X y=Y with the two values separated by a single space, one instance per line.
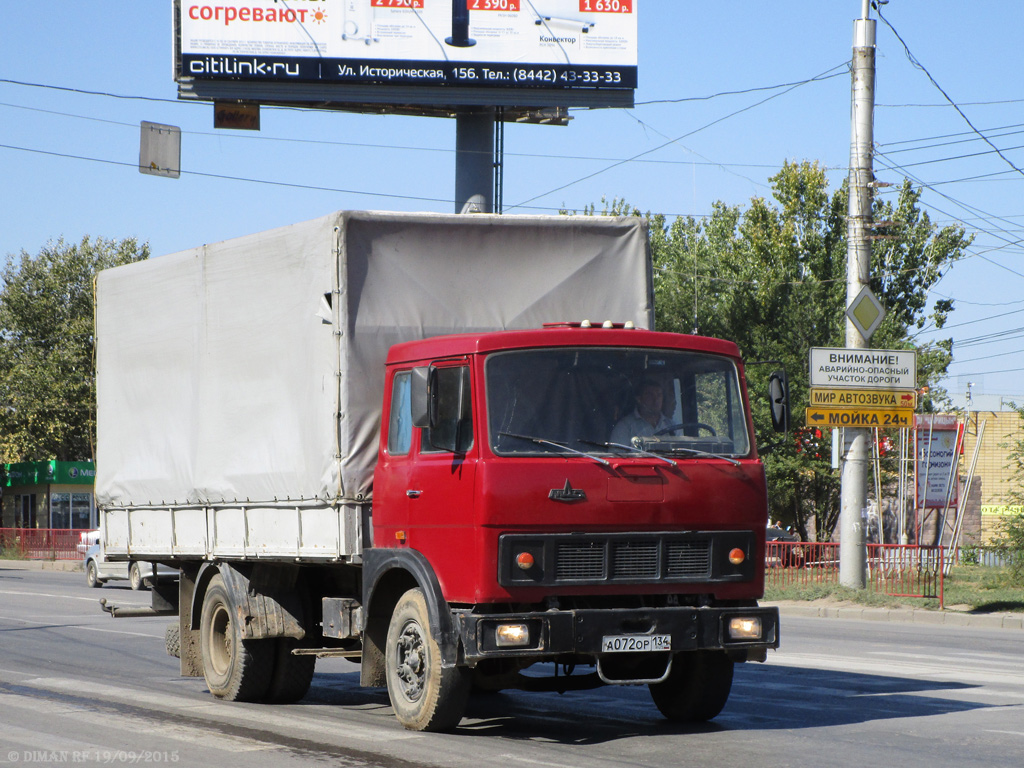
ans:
x=778 y=394
x=419 y=396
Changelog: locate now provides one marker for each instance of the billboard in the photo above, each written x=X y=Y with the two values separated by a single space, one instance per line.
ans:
x=564 y=46
x=939 y=444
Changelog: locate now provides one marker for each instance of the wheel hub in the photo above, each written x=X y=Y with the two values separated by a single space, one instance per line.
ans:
x=411 y=667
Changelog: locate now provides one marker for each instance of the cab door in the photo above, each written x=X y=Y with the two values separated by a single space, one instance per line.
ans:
x=442 y=481
x=391 y=481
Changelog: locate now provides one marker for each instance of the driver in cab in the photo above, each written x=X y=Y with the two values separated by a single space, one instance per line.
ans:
x=647 y=419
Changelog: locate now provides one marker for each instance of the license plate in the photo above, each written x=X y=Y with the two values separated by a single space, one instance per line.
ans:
x=635 y=643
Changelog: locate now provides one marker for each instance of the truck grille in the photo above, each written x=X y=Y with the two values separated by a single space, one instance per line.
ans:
x=688 y=558
x=579 y=561
x=616 y=558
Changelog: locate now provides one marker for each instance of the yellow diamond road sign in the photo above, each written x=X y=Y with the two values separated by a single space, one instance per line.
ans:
x=863 y=398
x=866 y=312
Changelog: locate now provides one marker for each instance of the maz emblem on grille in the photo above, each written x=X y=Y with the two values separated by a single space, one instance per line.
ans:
x=567 y=494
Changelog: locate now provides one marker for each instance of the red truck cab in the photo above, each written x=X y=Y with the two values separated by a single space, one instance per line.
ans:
x=589 y=496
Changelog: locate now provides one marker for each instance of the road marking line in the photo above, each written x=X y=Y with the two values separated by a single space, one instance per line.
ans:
x=78 y=626
x=63 y=597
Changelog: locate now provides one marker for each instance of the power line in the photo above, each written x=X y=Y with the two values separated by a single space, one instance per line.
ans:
x=994 y=103
x=366 y=145
x=679 y=138
x=1009 y=239
x=946 y=136
x=919 y=65
x=742 y=92
x=291 y=185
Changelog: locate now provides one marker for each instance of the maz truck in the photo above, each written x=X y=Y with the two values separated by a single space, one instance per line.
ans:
x=447 y=447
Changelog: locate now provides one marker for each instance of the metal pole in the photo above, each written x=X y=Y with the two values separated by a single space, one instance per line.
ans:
x=877 y=468
x=852 y=549
x=962 y=505
x=474 y=161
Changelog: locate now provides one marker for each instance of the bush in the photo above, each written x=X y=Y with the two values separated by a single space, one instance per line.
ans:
x=1011 y=545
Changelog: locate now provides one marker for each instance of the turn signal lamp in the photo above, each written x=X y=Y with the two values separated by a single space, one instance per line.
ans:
x=737 y=556
x=524 y=560
x=744 y=628
x=510 y=635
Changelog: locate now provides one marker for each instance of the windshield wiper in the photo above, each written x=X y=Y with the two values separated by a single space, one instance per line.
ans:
x=632 y=448
x=698 y=452
x=562 y=446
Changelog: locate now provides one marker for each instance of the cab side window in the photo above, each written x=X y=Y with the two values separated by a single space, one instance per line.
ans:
x=400 y=423
x=454 y=430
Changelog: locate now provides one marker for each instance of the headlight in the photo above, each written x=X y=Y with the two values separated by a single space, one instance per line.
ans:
x=512 y=635
x=744 y=628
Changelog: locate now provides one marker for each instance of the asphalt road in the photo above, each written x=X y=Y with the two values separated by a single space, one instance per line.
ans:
x=78 y=686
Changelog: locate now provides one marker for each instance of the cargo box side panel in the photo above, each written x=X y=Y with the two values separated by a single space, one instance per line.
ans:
x=218 y=374
x=149 y=319
x=411 y=276
x=269 y=390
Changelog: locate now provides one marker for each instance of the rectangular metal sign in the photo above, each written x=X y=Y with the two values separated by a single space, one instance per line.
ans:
x=863 y=368
x=863 y=398
x=898 y=418
x=564 y=45
x=937 y=460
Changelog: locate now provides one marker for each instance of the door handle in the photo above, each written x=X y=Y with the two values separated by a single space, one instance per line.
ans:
x=413 y=494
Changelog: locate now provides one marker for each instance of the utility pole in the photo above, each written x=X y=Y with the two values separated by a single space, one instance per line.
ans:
x=853 y=505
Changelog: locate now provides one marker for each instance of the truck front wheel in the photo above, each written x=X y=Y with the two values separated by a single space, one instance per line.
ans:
x=697 y=686
x=425 y=696
x=235 y=669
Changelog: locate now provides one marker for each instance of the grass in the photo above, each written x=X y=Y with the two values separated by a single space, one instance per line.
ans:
x=972 y=588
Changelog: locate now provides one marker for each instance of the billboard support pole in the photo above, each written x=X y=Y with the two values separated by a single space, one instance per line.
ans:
x=474 y=160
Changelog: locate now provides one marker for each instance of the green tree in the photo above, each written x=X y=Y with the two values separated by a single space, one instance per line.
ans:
x=773 y=279
x=47 y=376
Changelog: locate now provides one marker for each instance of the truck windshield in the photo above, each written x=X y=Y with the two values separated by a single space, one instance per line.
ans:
x=614 y=401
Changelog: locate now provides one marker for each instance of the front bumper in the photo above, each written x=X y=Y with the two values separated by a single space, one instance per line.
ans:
x=580 y=632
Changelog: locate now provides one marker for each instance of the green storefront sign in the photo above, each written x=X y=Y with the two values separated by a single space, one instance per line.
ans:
x=50 y=473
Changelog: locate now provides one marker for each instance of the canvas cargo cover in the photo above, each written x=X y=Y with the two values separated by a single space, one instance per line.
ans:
x=251 y=371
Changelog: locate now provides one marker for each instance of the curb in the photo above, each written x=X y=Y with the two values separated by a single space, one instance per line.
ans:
x=67 y=566
x=902 y=615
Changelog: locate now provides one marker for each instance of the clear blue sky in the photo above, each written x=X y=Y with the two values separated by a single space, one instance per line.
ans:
x=69 y=158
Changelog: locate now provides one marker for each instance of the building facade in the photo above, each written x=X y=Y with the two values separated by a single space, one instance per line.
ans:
x=49 y=494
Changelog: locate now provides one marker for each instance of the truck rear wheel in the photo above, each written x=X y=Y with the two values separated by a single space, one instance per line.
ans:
x=292 y=674
x=172 y=640
x=425 y=696
x=697 y=688
x=235 y=669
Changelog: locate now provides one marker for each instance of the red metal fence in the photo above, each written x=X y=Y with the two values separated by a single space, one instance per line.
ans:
x=900 y=571
x=41 y=543
x=893 y=569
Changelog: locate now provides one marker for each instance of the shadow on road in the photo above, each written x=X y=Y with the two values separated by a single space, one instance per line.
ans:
x=764 y=697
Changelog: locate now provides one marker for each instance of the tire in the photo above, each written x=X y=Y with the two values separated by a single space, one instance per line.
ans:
x=292 y=674
x=235 y=669
x=697 y=688
x=135 y=576
x=92 y=575
x=425 y=696
x=172 y=640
